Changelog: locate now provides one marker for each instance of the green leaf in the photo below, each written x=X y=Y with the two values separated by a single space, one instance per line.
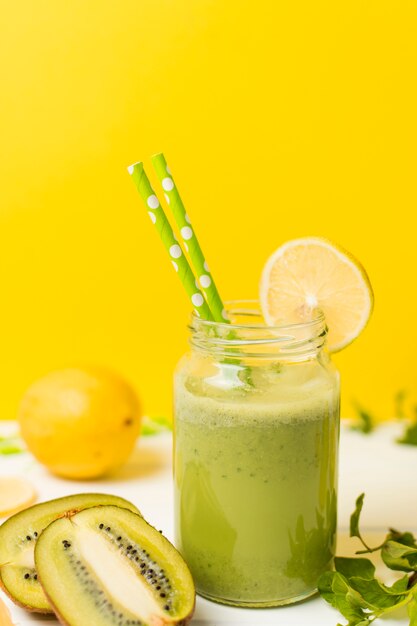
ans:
x=245 y=374
x=407 y=538
x=11 y=445
x=377 y=596
x=398 y=556
x=155 y=425
x=362 y=568
x=399 y=401
x=354 y=524
x=333 y=587
x=360 y=576
x=354 y=518
x=365 y=422
x=410 y=435
x=357 y=594
x=402 y=584
x=361 y=598
x=324 y=587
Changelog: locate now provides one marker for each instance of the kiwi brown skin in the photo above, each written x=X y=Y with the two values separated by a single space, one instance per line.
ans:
x=64 y=513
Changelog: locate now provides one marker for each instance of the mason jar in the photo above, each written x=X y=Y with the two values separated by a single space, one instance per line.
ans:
x=255 y=458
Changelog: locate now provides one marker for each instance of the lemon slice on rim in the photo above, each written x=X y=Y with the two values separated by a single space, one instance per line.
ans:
x=309 y=273
x=16 y=494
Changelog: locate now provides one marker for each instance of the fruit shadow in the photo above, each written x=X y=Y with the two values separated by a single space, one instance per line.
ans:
x=149 y=460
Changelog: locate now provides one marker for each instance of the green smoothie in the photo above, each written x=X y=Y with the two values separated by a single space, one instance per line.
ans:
x=255 y=480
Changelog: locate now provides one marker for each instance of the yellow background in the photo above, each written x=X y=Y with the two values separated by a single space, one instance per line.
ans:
x=279 y=118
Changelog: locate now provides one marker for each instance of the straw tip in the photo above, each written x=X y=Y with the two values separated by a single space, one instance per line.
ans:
x=131 y=168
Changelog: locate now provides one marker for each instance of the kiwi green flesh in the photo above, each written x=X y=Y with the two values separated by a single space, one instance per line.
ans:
x=108 y=567
x=18 y=536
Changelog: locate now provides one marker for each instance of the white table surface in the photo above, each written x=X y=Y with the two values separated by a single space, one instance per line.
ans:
x=386 y=471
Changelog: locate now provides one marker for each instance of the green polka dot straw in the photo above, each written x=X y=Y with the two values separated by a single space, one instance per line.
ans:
x=178 y=259
x=189 y=238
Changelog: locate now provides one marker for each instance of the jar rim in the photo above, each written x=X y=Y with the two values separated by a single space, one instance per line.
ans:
x=317 y=317
x=289 y=340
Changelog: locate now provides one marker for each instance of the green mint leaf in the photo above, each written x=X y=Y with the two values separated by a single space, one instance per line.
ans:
x=377 y=596
x=11 y=445
x=361 y=568
x=398 y=556
x=365 y=422
x=334 y=588
x=246 y=376
x=361 y=600
x=324 y=586
x=358 y=599
x=399 y=400
x=354 y=524
x=155 y=425
x=403 y=584
x=357 y=594
x=354 y=518
x=410 y=435
x=407 y=538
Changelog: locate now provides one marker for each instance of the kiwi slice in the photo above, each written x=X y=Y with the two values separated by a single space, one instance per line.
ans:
x=108 y=567
x=18 y=536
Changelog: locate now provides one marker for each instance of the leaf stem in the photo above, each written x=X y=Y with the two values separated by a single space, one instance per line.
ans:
x=368 y=549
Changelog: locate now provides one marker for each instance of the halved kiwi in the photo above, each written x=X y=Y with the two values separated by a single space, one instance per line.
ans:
x=108 y=567
x=18 y=536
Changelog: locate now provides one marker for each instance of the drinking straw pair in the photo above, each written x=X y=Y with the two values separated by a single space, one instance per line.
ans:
x=200 y=288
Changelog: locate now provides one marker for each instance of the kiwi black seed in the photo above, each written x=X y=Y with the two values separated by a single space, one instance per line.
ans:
x=91 y=557
x=19 y=535
x=148 y=567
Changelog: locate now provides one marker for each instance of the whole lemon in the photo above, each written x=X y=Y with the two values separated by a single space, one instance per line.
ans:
x=81 y=422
